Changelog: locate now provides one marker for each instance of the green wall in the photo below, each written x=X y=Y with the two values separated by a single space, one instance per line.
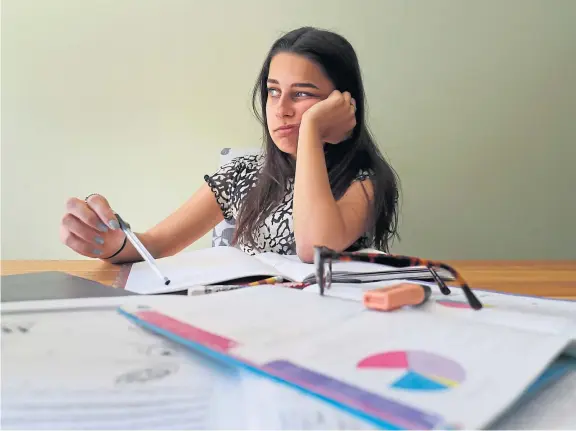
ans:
x=472 y=101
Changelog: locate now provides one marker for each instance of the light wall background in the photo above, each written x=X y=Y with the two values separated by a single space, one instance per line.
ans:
x=472 y=101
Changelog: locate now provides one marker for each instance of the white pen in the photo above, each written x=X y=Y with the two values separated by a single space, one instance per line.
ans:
x=141 y=249
x=205 y=290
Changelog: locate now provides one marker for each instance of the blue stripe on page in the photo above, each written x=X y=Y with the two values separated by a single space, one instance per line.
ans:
x=229 y=359
x=553 y=373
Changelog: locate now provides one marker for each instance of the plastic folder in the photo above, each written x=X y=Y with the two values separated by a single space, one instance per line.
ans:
x=382 y=412
x=379 y=411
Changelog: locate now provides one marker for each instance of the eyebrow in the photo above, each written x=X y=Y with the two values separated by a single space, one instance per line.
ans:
x=297 y=84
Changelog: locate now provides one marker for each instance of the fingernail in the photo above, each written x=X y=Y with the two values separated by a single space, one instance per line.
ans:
x=99 y=240
x=102 y=227
x=114 y=224
x=95 y=251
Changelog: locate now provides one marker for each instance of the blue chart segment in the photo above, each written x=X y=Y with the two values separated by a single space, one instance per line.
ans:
x=416 y=381
x=422 y=371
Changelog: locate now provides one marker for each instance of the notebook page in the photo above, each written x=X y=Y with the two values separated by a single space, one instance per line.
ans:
x=442 y=370
x=197 y=267
x=542 y=315
x=523 y=303
x=538 y=314
x=92 y=369
x=466 y=350
x=289 y=265
x=511 y=302
x=292 y=267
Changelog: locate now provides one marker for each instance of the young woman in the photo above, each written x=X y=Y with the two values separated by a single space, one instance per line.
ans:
x=320 y=179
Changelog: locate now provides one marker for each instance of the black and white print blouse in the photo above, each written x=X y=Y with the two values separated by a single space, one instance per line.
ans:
x=230 y=185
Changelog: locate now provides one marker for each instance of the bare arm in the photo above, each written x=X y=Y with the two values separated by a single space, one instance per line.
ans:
x=318 y=218
x=186 y=225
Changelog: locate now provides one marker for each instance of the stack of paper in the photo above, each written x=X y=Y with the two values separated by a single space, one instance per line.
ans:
x=93 y=369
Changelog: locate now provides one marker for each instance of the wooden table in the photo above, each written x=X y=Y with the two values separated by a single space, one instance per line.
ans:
x=543 y=278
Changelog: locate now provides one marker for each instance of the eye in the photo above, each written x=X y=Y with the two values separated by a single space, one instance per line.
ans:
x=302 y=94
x=274 y=92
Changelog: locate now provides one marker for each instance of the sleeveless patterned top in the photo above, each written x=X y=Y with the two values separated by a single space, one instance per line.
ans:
x=230 y=185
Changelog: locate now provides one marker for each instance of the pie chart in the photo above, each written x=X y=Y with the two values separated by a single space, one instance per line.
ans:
x=421 y=371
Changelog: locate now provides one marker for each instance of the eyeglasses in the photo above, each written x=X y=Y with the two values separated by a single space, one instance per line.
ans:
x=323 y=258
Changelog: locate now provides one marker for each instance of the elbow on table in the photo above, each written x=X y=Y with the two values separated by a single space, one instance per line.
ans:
x=305 y=251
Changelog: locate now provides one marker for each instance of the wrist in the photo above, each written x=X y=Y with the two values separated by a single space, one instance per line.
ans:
x=117 y=250
x=310 y=132
x=309 y=119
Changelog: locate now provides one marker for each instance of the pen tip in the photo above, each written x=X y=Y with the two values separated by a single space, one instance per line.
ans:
x=166 y=281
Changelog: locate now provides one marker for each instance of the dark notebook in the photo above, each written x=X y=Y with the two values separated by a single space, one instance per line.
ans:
x=53 y=285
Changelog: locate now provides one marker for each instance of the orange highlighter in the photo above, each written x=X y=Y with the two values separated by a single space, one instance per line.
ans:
x=399 y=295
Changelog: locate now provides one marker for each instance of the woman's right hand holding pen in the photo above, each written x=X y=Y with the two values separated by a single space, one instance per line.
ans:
x=90 y=227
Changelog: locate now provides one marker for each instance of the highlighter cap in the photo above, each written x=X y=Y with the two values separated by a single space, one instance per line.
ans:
x=399 y=295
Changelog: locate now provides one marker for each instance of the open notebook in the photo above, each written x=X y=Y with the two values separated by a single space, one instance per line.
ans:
x=400 y=370
x=222 y=264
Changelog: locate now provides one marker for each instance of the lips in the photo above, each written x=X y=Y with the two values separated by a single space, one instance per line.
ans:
x=287 y=130
x=287 y=127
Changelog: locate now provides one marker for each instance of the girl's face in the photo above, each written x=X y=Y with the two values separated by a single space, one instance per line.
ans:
x=294 y=85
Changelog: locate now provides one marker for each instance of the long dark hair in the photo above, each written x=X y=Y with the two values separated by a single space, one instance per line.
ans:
x=344 y=161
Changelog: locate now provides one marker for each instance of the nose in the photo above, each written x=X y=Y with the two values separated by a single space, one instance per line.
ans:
x=285 y=107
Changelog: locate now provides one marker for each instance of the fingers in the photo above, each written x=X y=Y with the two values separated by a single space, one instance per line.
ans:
x=346 y=96
x=339 y=116
x=347 y=101
x=84 y=213
x=90 y=227
x=335 y=95
x=351 y=107
x=344 y=100
x=82 y=231
x=101 y=207
x=78 y=244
